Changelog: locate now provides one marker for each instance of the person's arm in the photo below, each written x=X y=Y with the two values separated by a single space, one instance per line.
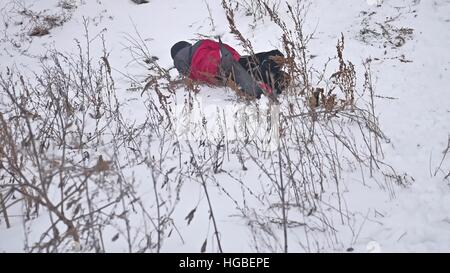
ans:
x=241 y=76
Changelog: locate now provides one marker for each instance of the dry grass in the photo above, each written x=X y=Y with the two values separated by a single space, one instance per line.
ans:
x=69 y=154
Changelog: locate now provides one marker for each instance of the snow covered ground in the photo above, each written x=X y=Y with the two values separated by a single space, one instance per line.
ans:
x=408 y=43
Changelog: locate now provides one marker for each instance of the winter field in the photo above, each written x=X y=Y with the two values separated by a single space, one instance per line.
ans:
x=105 y=148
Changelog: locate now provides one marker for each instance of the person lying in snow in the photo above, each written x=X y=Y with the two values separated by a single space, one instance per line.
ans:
x=214 y=63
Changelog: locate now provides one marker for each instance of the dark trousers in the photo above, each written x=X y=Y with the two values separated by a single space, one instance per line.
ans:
x=263 y=68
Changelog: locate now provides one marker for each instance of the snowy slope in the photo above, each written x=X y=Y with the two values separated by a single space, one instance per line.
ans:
x=411 y=83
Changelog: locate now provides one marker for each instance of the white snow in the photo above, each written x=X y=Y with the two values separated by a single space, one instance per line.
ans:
x=415 y=117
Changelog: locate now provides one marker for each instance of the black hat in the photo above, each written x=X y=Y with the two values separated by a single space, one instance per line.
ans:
x=177 y=47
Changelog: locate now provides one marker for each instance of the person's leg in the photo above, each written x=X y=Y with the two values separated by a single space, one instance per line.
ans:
x=265 y=67
x=270 y=68
x=261 y=63
x=250 y=64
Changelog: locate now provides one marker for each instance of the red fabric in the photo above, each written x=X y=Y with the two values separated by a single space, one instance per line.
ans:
x=206 y=59
x=265 y=87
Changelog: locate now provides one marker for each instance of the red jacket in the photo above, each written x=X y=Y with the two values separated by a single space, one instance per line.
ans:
x=206 y=60
x=201 y=62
